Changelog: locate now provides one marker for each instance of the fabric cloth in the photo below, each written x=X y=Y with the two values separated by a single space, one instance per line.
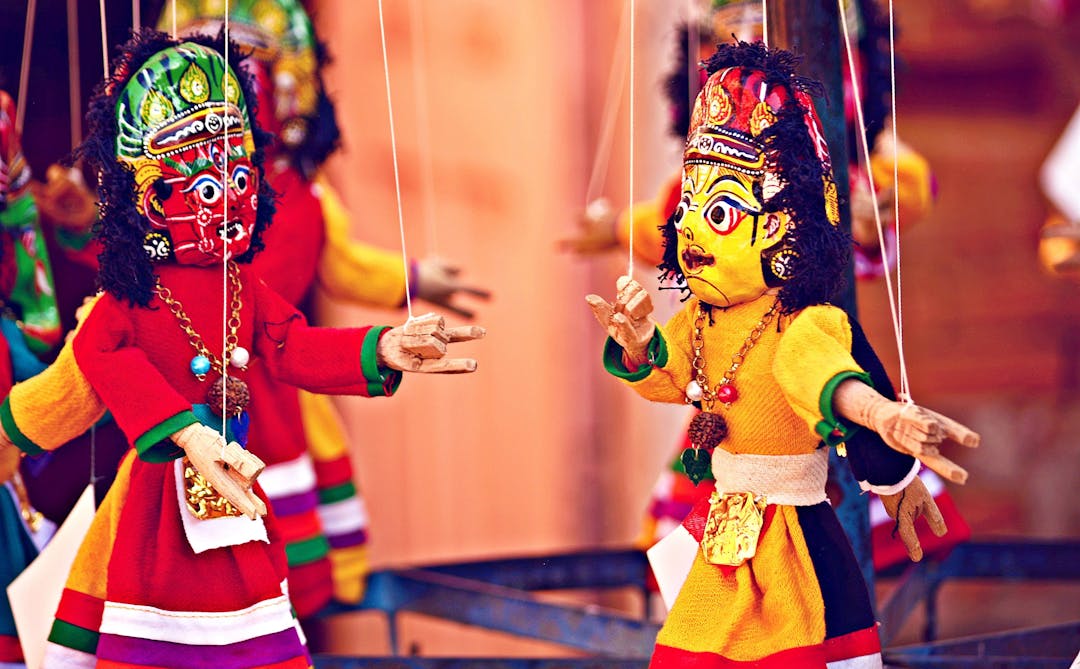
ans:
x=800 y=599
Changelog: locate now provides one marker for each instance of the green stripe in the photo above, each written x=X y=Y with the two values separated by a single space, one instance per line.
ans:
x=19 y=213
x=831 y=430
x=308 y=550
x=155 y=446
x=613 y=358
x=337 y=493
x=381 y=381
x=13 y=432
x=73 y=636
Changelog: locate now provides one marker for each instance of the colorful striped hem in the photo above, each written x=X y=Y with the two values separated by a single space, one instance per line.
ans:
x=73 y=636
x=291 y=505
x=308 y=550
x=336 y=493
x=209 y=628
x=62 y=657
x=282 y=649
x=343 y=517
x=806 y=657
x=292 y=477
x=358 y=538
x=79 y=608
x=865 y=662
x=855 y=644
x=332 y=473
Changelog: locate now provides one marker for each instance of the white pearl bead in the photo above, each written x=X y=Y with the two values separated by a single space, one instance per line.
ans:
x=240 y=357
x=693 y=391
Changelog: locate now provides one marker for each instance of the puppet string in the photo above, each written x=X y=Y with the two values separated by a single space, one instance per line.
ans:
x=394 y=155
x=227 y=184
x=136 y=15
x=865 y=152
x=24 y=69
x=423 y=125
x=765 y=22
x=74 y=91
x=612 y=97
x=173 y=4
x=905 y=391
x=630 y=183
x=104 y=40
x=693 y=46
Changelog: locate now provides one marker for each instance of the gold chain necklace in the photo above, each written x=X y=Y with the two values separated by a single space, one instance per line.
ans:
x=708 y=429
x=227 y=393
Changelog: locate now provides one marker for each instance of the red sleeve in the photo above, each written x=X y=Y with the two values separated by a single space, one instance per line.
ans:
x=329 y=361
x=145 y=406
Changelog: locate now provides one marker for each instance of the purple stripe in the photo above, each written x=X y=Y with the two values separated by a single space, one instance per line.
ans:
x=291 y=505
x=345 y=540
x=268 y=649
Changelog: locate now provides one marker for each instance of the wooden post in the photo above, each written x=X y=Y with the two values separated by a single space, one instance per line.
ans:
x=811 y=28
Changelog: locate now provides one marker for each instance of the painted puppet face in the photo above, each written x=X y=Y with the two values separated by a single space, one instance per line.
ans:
x=207 y=201
x=722 y=234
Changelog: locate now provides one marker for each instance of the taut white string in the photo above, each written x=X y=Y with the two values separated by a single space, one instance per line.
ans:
x=173 y=3
x=104 y=39
x=693 y=46
x=24 y=67
x=765 y=22
x=423 y=125
x=865 y=151
x=630 y=184
x=393 y=153
x=227 y=184
x=905 y=389
x=74 y=88
x=612 y=97
x=136 y=15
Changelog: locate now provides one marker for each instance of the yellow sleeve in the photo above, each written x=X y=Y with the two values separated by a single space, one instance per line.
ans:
x=649 y=217
x=666 y=378
x=46 y=411
x=352 y=271
x=916 y=189
x=812 y=359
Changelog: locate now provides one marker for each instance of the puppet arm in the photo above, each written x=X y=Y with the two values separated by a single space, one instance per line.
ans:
x=369 y=275
x=640 y=352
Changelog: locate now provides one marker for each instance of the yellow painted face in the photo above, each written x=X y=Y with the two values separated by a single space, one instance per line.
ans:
x=722 y=233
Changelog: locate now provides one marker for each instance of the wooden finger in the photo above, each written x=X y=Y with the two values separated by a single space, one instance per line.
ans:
x=447 y=366
x=466 y=333
x=957 y=432
x=467 y=314
x=934 y=518
x=257 y=505
x=424 y=345
x=243 y=464
x=639 y=305
x=601 y=309
x=481 y=293
x=945 y=468
x=908 y=535
x=228 y=488
x=624 y=283
x=425 y=324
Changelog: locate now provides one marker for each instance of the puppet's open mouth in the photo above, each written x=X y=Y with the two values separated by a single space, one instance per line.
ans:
x=231 y=230
x=694 y=257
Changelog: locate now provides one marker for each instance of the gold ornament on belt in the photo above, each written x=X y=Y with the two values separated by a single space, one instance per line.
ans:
x=202 y=500
x=733 y=528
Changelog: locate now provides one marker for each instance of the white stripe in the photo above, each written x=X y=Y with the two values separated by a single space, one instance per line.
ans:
x=198 y=628
x=934 y=485
x=671 y=559
x=795 y=480
x=62 y=657
x=12 y=665
x=896 y=487
x=204 y=535
x=348 y=515
x=288 y=478
x=861 y=662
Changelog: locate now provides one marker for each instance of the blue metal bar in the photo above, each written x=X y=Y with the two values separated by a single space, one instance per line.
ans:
x=1013 y=560
x=335 y=662
x=1047 y=645
x=912 y=589
x=507 y=610
x=585 y=569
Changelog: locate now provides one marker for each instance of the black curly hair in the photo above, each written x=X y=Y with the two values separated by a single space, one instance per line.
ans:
x=125 y=270
x=821 y=250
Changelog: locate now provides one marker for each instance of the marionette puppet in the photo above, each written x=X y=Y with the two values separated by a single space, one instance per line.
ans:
x=171 y=570
x=755 y=242
x=674 y=494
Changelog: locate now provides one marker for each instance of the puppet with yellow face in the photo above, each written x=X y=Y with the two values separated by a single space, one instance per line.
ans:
x=779 y=374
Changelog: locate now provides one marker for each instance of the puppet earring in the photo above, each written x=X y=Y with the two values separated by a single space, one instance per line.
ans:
x=777 y=266
x=157 y=246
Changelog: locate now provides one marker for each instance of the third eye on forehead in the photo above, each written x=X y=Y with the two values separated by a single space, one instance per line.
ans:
x=738 y=187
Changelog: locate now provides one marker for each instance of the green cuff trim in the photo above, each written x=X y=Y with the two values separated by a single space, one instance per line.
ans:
x=74 y=637
x=155 y=446
x=613 y=358
x=308 y=550
x=831 y=430
x=20 y=213
x=337 y=493
x=381 y=381
x=14 y=434
x=75 y=241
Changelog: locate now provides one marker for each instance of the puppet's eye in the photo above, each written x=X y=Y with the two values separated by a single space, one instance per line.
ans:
x=723 y=216
x=680 y=212
x=241 y=177
x=207 y=188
